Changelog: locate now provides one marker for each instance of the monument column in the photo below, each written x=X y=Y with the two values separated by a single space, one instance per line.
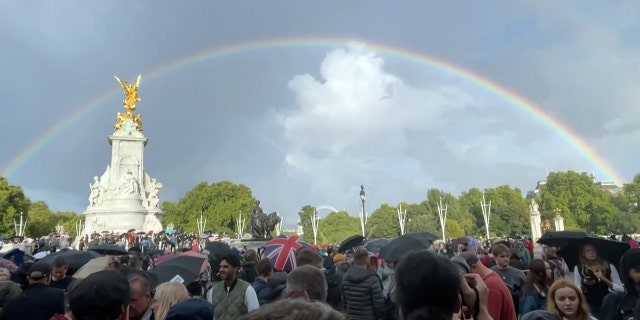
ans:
x=534 y=214
x=558 y=220
x=125 y=197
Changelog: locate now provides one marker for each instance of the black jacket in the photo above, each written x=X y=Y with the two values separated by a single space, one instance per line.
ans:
x=362 y=295
x=38 y=302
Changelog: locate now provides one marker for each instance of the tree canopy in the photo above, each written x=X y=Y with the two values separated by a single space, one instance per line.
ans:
x=583 y=204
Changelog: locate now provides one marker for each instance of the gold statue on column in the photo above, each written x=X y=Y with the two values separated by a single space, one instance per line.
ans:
x=129 y=102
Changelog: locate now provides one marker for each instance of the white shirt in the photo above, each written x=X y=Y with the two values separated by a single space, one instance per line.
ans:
x=616 y=284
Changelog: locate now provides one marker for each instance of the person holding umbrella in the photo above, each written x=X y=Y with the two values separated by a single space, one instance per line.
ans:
x=596 y=277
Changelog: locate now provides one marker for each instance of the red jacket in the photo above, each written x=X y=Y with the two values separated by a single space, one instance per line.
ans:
x=529 y=245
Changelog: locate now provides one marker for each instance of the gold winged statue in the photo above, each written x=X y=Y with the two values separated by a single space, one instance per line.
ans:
x=129 y=102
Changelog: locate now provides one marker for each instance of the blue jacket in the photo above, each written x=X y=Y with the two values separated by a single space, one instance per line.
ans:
x=531 y=302
x=264 y=291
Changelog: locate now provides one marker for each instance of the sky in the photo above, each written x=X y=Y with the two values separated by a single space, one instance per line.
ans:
x=309 y=122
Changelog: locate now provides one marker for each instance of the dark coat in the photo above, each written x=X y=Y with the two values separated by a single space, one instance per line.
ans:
x=38 y=302
x=266 y=292
x=362 y=295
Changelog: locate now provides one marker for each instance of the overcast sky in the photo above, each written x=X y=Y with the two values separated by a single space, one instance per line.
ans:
x=308 y=124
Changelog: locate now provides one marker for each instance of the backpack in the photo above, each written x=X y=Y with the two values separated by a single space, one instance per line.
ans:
x=556 y=269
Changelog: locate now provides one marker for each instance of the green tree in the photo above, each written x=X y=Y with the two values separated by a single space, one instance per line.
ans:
x=220 y=204
x=383 y=223
x=41 y=220
x=304 y=215
x=338 y=226
x=68 y=220
x=582 y=204
x=12 y=202
x=420 y=219
x=509 y=211
x=469 y=202
x=454 y=212
x=453 y=230
x=631 y=193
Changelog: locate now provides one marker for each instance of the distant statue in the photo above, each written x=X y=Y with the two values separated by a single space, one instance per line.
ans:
x=270 y=221
x=534 y=208
x=97 y=222
x=151 y=223
x=96 y=192
x=129 y=102
x=260 y=224
x=129 y=184
x=153 y=188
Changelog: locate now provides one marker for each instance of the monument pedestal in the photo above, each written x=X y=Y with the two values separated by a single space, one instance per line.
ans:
x=125 y=197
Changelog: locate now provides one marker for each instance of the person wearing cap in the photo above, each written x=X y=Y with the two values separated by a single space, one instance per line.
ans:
x=104 y=295
x=499 y=302
x=38 y=301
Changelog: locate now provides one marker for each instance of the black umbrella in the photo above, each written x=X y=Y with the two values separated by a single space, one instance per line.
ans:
x=375 y=245
x=74 y=259
x=179 y=268
x=217 y=250
x=561 y=239
x=110 y=249
x=395 y=249
x=350 y=243
x=609 y=250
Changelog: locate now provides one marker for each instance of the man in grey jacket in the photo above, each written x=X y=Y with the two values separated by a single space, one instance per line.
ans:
x=362 y=290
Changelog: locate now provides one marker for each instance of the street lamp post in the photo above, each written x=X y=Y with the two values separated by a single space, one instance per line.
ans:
x=240 y=225
x=486 y=214
x=202 y=223
x=442 y=214
x=363 y=197
x=402 y=218
x=314 y=225
x=20 y=227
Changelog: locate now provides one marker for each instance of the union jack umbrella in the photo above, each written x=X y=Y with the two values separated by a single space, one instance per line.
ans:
x=282 y=251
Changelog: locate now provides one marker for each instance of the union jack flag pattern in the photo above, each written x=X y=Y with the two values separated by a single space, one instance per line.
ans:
x=282 y=252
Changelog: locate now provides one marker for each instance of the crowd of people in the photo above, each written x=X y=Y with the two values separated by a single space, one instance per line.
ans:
x=425 y=284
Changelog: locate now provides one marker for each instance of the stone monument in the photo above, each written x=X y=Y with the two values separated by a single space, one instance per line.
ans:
x=125 y=197
x=558 y=221
x=261 y=224
x=534 y=214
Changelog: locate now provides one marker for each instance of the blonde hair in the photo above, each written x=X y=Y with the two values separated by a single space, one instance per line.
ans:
x=583 y=309
x=549 y=252
x=167 y=295
x=602 y=264
x=294 y=309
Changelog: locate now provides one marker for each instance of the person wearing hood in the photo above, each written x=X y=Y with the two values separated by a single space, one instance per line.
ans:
x=362 y=291
x=624 y=305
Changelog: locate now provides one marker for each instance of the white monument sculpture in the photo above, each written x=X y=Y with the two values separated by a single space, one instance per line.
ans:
x=125 y=197
x=558 y=220
x=534 y=214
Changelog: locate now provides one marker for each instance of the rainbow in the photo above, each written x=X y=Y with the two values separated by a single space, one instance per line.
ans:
x=481 y=82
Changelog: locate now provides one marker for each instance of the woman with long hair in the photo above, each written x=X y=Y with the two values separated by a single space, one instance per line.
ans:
x=596 y=277
x=534 y=293
x=566 y=300
x=559 y=269
x=166 y=296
